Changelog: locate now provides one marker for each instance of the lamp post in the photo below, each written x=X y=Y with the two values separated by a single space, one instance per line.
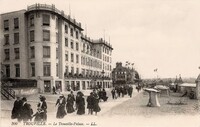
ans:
x=103 y=76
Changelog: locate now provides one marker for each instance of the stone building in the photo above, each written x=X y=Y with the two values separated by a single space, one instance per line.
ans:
x=44 y=47
x=123 y=75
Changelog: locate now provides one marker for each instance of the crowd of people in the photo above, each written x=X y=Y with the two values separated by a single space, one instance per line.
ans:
x=121 y=91
x=22 y=111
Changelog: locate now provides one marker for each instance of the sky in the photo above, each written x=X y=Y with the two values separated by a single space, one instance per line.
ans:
x=162 y=34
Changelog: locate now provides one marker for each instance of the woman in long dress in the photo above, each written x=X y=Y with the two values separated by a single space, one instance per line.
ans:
x=41 y=114
x=61 y=107
x=70 y=104
x=80 y=102
x=96 y=107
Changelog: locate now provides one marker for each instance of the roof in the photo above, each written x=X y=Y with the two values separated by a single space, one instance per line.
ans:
x=188 y=85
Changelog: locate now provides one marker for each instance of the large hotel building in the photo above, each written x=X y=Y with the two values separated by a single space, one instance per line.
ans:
x=43 y=47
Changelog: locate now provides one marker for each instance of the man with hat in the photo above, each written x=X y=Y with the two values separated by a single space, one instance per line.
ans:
x=26 y=111
x=16 y=109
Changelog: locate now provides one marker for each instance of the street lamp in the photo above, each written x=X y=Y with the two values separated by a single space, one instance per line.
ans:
x=103 y=76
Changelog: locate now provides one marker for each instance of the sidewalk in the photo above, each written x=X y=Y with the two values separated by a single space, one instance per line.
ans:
x=7 y=105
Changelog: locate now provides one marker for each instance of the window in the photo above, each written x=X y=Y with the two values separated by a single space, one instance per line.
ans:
x=32 y=20
x=66 y=70
x=17 y=70
x=32 y=69
x=77 y=46
x=6 y=39
x=16 y=38
x=46 y=51
x=16 y=23
x=6 y=24
x=32 y=52
x=47 y=68
x=72 y=70
x=57 y=53
x=66 y=57
x=83 y=71
x=66 y=29
x=17 y=55
x=7 y=70
x=46 y=35
x=57 y=70
x=72 y=57
x=46 y=20
x=56 y=37
x=71 y=32
x=76 y=34
x=77 y=71
x=77 y=58
x=72 y=44
x=66 y=42
x=7 y=54
x=32 y=36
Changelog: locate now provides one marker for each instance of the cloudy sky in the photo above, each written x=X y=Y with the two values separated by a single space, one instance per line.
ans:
x=163 y=34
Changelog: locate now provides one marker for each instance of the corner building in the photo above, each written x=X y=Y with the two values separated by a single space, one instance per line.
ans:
x=46 y=48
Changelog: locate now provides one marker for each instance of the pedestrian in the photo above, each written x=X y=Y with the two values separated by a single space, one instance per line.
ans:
x=100 y=94
x=130 y=91
x=41 y=114
x=70 y=103
x=123 y=90
x=61 y=101
x=90 y=103
x=80 y=103
x=96 y=107
x=16 y=109
x=26 y=111
x=104 y=94
x=113 y=93
x=119 y=91
x=54 y=90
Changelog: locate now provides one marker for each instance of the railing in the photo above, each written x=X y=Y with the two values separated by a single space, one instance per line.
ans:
x=8 y=93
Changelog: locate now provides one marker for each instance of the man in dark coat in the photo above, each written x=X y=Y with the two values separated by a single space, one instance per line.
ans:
x=26 y=111
x=90 y=103
x=113 y=92
x=54 y=90
x=16 y=109
x=130 y=91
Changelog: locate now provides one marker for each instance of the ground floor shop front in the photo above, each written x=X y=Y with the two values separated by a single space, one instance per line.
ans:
x=46 y=86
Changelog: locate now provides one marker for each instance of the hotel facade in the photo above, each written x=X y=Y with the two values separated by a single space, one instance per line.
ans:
x=44 y=47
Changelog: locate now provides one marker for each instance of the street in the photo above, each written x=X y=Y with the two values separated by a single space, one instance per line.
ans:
x=119 y=112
